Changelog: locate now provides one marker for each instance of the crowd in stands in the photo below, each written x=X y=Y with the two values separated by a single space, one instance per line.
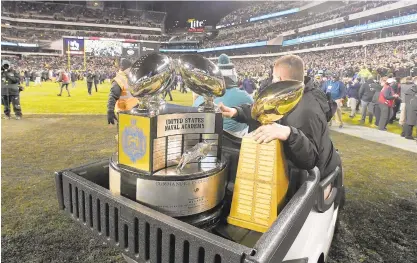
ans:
x=71 y=12
x=257 y=9
x=398 y=58
x=264 y=30
x=38 y=34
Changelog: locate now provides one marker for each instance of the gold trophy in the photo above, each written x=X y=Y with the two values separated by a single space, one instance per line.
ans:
x=204 y=78
x=261 y=180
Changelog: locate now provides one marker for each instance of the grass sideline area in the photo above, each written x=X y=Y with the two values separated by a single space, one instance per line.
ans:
x=44 y=100
x=377 y=224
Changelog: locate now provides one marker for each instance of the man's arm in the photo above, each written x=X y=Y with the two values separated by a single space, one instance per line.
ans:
x=243 y=113
x=362 y=90
x=114 y=95
x=388 y=94
x=342 y=90
x=300 y=150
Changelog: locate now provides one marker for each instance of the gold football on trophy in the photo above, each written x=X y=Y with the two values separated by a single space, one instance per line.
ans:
x=277 y=100
x=201 y=75
x=151 y=75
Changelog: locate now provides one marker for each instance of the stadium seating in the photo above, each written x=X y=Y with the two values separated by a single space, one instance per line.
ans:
x=72 y=12
x=263 y=30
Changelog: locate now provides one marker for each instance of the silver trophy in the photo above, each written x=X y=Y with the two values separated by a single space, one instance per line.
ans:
x=196 y=153
x=203 y=77
x=150 y=76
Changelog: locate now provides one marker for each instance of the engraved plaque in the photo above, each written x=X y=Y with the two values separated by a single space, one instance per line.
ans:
x=172 y=124
x=261 y=185
x=159 y=150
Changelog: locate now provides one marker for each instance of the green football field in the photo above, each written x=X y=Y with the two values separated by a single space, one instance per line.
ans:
x=44 y=99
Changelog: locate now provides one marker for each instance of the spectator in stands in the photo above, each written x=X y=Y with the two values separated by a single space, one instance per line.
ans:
x=408 y=107
x=232 y=98
x=386 y=102
x=337 y=92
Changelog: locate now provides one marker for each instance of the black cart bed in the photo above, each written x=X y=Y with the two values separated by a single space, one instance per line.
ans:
x=146 y=235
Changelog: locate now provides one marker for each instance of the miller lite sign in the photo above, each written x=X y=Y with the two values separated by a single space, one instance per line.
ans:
x=195 y=25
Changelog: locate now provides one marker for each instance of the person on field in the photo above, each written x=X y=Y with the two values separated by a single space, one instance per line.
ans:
x=337 y=92
x=120 y=99
x=366 y=93
x=65 y=79
x=386 y=102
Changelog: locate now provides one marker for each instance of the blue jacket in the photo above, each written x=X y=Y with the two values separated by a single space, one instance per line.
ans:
x=353 y=90
x=248 y=85
x=335 y=88
x=232 y=98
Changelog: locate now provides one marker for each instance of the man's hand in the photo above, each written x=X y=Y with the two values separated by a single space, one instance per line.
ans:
x=270 y=132
x=111 y=117
x=226 y=111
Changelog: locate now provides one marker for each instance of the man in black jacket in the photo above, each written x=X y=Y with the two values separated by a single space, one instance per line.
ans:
x=366 y=93
x=10 y=90
x=304 y=131
x=90 y=80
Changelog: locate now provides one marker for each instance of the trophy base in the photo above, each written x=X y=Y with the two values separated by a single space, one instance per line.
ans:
x=198 y=188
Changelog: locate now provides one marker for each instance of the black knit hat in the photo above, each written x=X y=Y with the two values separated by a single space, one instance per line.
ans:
x=125 y=64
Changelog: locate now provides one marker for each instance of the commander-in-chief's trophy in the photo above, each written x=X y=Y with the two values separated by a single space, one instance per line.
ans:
x=261 y=180
x=169 y=157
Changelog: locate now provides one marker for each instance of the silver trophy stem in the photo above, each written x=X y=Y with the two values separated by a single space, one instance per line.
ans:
x=208 y=106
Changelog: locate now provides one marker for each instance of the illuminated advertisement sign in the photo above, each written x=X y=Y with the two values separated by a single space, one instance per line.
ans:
x=277 y=14
x=195 y=25
x=74 y=46
x=354 y=30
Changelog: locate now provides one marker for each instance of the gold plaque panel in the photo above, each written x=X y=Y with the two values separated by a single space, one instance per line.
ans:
x=261 y=185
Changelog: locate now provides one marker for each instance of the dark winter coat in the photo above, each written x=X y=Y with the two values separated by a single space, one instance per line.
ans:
x=309 y=144
x=353 y=90
x=410 y=101
x=405 y=89
x=411 y=111
x=367 y=90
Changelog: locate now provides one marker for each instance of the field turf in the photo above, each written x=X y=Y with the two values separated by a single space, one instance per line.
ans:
x=36 y=99
x=377 y=225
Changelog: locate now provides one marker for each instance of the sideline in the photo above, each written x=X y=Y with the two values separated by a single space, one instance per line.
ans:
x=374 y=135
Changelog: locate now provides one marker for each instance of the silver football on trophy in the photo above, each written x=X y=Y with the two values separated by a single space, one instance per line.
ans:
x=150 y=75
x=203 y=77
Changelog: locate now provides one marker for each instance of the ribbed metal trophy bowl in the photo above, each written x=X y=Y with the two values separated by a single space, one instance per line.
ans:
x=277 y=100
x=203 y=77
x=150 y=76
